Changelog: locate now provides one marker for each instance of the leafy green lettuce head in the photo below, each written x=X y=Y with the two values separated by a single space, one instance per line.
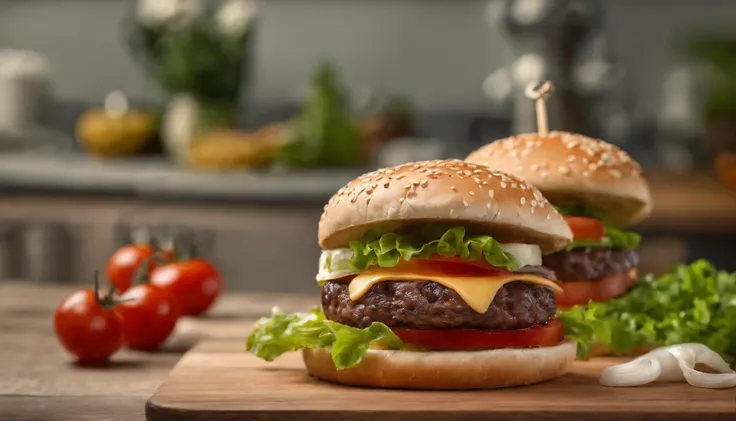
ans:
x=691 y=303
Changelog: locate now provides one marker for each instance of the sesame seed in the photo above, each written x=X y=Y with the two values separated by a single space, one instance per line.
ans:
x=477 y=171
x=491 y=193
x=407 y=187
x=532 y=210
x=476 y=179
x=488 y=205
x=424 y=183
x=503 y=185
x=353 y=199
x=465 y=203
x=522 y=201
x=549 y=216
x=571 y=158
x=534 y=203
x=472 y=193
x=399 y=177
x=401 y=200
x=513 y=185
x=592 y=167
x=616 y=173
x=453 y=188
x=563 y=170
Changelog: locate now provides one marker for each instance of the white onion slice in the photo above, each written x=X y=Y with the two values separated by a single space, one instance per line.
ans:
x=671 y=364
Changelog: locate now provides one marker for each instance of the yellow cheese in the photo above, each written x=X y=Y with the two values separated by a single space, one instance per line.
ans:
x=477 y=292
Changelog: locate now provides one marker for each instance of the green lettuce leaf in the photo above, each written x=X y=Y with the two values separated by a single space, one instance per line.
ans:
x=692 y=303
x=614 y=237
x=282 y=333
x=385 y=250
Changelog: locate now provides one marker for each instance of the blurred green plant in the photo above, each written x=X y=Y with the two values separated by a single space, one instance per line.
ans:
x=324 y=133
x=193 y=53
x=719 y=52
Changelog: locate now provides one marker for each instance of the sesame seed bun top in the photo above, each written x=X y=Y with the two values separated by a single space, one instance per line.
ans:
x=484 y=200
x=572 y=169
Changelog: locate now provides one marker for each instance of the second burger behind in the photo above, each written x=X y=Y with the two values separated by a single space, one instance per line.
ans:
x=599 y=188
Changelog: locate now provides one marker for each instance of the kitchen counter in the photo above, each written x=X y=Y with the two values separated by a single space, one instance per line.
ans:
x=692 y=202
x=155 y=178
x=38 y=381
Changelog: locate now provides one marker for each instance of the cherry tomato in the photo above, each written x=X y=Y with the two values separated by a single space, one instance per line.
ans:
x=549 y=334
x=122 y=265
x=148 y=315
x=87 y=328
x=580 y=293
x=195 y=283
x=586 y=228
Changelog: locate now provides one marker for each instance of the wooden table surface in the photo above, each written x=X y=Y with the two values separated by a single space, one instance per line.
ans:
x=38 y=382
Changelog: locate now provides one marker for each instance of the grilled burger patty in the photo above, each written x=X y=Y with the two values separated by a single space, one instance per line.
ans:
x=592 y=264
x=429 y=305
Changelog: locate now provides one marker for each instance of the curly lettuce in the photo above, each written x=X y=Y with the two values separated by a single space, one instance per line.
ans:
x=385 y=250
x=283 y=332
x=692 y=303
x=614 y=237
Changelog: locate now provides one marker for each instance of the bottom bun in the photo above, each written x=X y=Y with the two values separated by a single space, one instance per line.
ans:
x=447 y=370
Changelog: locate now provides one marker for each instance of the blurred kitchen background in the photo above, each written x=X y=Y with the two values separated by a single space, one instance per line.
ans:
x=240 y=119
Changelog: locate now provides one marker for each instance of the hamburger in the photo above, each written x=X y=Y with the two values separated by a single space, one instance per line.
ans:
x=431 y=278
x=599 y=189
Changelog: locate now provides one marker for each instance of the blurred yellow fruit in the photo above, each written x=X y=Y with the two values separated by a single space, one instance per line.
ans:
x=103 y=134
x=229 y=150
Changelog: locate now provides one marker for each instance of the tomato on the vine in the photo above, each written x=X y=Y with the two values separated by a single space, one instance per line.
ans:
x=549 y=334
x=122 y=265
x=195 y=283
x=88 y=327
x=148 y=315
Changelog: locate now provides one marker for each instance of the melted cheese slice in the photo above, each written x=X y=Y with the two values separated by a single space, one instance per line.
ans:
x=477 y=292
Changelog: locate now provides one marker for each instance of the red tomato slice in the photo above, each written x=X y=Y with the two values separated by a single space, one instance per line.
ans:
x=586 y=228
x=580 y=293
x=550 y=334
x=450 y=265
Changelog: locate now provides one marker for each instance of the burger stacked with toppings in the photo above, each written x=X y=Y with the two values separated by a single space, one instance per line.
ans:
x=599 y=189
x=431 y=278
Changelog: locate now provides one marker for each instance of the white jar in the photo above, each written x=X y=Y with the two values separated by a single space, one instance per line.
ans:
x=24 y=89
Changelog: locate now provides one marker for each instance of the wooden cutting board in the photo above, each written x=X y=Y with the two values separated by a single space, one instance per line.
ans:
x=218 y=381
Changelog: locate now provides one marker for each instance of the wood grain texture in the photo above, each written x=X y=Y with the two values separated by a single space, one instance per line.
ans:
x=217 y=381
x=38 y=382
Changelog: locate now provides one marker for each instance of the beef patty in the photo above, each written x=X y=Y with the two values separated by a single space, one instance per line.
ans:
x=429 y=305
x=590 y=264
